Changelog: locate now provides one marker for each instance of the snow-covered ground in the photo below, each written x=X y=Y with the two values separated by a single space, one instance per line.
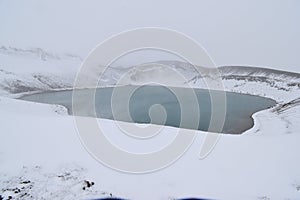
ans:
x=41 y=155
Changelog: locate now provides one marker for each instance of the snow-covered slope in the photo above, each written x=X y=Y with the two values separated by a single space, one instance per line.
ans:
x=31 y=70
x=35 y=163
x=27 y=70
x=280 y=85
x=42 y=157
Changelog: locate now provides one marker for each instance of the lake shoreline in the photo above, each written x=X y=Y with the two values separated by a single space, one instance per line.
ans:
x=232 y=95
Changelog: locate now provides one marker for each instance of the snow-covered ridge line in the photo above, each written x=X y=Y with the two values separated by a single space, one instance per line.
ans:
x=32 y=70
x=38 y=53
x=14 y=84
x=257 y=71
x=226 y=70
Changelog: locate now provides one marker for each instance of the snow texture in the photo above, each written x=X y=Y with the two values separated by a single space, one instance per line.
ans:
x=42 y=157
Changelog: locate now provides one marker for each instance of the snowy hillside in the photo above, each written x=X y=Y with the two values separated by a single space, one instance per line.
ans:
x=33 y=70
x=28 y=70
x=42 y=156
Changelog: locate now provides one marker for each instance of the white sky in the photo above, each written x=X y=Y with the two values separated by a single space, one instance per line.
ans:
x=242 y=32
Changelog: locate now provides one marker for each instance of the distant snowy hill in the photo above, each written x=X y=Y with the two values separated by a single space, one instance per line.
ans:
x=33 y=70
x=27 y=70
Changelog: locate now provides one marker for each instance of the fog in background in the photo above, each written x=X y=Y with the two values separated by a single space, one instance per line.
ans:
x=252 y=32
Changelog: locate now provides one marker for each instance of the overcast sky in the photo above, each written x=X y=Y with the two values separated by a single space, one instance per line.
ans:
x=252 y=32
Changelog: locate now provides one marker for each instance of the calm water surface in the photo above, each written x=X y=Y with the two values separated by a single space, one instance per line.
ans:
x=239 y=107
